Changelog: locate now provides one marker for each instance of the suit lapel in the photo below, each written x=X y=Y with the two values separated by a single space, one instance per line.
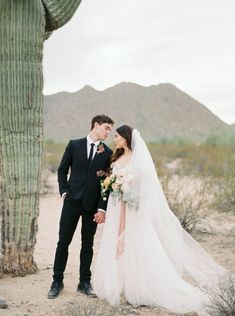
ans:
x=84 y=149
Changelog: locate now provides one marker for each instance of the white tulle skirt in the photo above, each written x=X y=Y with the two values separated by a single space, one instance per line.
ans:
x=145 y=272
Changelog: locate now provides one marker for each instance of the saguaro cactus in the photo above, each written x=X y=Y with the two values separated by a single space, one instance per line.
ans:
x=24 y=25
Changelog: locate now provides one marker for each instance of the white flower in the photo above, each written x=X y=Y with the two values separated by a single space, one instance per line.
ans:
x=115 y=186
x=119 y=181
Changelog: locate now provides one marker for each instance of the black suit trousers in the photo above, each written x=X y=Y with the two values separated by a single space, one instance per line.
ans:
x=71 y=212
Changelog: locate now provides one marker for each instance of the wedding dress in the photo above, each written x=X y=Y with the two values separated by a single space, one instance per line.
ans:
x=145 y=254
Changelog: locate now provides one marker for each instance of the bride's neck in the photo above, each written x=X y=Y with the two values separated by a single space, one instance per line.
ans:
x=127 y=151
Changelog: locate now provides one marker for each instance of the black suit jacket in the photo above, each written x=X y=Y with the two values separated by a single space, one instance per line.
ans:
x=83 y=183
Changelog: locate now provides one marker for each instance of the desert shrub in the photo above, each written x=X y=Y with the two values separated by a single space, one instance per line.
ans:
x=227 y=138
x=168 y=152
x=95 y=307
x=186 y=198
x=44 y=181
x=214 y=163
x=224 y=196
x=52 y=154
x=222 y=297
x=197 y=159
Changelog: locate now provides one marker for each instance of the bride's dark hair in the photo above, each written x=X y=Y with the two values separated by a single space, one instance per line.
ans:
x=126 y=132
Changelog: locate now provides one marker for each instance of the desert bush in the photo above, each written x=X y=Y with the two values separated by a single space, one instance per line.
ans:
x=221 y=139
x=186 y=198
x=224 y=196
x=95 y=307
x=222 y=297
x=204 y=160
x=168 y=152
x=44 y=181
x=214 y=163
x=52 y=154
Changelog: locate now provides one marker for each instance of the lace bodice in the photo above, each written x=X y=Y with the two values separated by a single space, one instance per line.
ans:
x=126 y=176
x=116 y=166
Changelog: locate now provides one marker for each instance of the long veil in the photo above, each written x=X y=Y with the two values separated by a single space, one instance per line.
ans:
x=186 y=255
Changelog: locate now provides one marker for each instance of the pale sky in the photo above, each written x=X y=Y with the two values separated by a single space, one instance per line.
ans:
x=189 y=43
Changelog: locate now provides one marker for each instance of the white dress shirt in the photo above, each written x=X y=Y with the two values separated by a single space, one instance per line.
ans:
x=89 y=142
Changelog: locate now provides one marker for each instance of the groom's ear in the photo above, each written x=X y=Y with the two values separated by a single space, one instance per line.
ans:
x=96 y=125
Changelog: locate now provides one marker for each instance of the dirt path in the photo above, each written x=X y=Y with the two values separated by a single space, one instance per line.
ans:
x=28 y=295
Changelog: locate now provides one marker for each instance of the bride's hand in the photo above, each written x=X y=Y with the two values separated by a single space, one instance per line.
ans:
x=120 y=246
x=99 y=217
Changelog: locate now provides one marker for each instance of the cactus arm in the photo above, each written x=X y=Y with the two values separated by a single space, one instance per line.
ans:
x=59 y=12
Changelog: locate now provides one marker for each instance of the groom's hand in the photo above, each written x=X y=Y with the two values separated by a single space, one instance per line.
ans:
x=99 y=217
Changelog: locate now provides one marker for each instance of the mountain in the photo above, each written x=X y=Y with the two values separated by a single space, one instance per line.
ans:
x=233 y=127
x=160 y=112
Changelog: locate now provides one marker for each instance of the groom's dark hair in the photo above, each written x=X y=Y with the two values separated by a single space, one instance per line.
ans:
x=101 y=119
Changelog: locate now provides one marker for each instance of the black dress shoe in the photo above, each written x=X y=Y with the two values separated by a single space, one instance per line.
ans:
x=56 y=287
x=85 y=288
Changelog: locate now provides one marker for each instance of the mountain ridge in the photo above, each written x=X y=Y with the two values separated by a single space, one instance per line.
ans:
x=160 y=112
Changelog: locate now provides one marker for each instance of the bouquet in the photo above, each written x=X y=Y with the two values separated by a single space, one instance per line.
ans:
x=112 y=183
x=119 y=185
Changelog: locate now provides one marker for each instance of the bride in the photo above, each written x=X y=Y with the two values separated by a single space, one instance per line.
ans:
x=145 y=255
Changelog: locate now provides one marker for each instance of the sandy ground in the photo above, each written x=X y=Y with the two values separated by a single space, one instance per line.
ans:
x=28 y=295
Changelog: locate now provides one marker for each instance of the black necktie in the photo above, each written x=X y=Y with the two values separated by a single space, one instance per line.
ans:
x=91 y=154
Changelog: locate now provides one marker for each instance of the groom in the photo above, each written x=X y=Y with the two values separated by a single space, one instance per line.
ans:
x=81 y=194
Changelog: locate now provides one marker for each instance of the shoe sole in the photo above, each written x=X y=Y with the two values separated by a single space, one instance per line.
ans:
x=83 y=292
x=55 y=296
x=52 y=297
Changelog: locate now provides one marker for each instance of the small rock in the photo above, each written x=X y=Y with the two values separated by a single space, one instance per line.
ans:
x=3 y=304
